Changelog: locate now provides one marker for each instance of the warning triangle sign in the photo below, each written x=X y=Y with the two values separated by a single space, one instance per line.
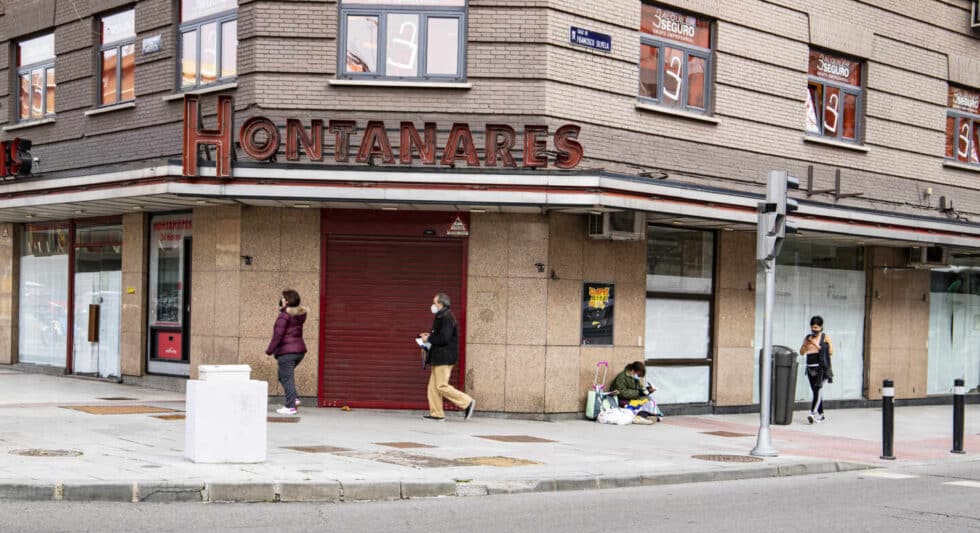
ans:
x=458 y=228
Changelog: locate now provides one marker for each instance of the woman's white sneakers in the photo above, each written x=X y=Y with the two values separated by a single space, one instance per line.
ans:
x=811 y=418
x=286 y=410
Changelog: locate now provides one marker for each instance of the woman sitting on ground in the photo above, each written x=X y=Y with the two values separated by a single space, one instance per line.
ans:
x=635 y=393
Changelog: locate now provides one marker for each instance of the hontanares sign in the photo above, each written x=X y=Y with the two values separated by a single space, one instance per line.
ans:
x=261 y=139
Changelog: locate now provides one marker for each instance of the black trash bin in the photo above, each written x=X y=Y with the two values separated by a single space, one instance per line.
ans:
x=783 y=398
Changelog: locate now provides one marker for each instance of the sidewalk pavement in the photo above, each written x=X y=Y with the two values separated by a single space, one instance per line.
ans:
x=334 y=455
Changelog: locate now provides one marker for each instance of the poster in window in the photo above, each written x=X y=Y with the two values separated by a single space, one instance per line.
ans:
x=598 y=300
x=675 y=26
x=835 y=68
x=964 y=100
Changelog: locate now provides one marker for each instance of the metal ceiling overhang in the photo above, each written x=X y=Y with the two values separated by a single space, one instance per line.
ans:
x=161 y=188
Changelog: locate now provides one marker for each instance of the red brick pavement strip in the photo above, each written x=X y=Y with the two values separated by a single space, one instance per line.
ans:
x=810 y=444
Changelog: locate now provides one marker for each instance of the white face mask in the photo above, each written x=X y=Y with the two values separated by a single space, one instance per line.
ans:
x=434 y=309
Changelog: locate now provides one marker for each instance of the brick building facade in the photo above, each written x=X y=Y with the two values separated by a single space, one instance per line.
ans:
x=872 y=104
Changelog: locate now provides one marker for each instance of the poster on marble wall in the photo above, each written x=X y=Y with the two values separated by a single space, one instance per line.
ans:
x=598 y=300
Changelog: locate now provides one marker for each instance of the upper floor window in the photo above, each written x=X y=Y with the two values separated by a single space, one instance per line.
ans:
x=833 y=97
x=403 y=39
x=963 y=126
x=208 y=42
x=117 y=58
x=675 y=59
x=35 y=72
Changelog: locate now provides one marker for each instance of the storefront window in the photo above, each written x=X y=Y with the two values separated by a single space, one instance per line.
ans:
x=954 y=328
x=675 y=59
x=43 y=315
x=826 y=280
x=963 y=126
x=680 y=289
x=833 y=97
x=170 y=246
x=421 y=40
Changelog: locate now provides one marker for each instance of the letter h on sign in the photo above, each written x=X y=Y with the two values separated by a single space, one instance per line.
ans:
x=195 y=136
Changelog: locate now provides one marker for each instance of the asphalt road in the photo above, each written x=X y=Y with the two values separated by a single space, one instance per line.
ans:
x=859 y=501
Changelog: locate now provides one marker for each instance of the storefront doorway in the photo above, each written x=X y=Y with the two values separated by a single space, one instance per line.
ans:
x=170 y=295
x=97 y=301
x=380 y=272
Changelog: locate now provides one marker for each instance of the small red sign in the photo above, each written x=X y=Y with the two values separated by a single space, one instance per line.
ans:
x=170 y=345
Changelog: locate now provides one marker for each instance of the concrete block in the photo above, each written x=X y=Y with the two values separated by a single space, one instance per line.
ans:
x=577 y=484
x=170 y=492
x=241 y=492
x=325 y=491
x=472 y=489
x=226 y=421
x=354 y=491
x=26 y=492
x=98 y=492
x=428 y=489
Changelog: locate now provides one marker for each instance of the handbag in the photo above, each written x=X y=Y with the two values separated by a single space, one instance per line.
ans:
x=825 y=364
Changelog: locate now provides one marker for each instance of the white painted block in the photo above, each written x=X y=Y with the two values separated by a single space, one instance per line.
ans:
x=226 y=421
x=224 y=372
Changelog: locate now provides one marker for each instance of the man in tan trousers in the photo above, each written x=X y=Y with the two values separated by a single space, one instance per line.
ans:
x=443 y=353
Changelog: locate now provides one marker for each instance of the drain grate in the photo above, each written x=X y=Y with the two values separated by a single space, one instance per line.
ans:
x=513 y=438
x=283 y=419
x=728 y=458
x=404 y=445
x=117 y=409
x=727 y=434
x=118 y=398
x=38 y=452
x=499 y=461
x=317 y=449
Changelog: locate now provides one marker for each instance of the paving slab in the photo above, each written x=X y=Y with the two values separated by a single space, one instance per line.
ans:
x=334 y=455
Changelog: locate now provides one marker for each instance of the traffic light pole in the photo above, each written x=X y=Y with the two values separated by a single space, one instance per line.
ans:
x=763 y=444
x=771 y=231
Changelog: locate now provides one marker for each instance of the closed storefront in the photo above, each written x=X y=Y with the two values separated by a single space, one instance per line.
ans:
x=381 y=270
x=43 y=316
x=954 y=328
x=812 y=279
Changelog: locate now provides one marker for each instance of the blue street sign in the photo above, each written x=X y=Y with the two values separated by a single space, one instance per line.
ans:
x=591 y=39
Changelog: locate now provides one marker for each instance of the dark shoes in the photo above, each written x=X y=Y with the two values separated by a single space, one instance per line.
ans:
x=436 y=418
x=469 y=410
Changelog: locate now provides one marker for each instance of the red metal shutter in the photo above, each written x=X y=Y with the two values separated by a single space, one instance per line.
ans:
x=377 y=293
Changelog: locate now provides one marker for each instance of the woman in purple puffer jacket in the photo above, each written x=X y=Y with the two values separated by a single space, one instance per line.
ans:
x=288 y=347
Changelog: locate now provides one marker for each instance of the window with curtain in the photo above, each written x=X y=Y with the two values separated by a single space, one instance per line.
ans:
x=962 y=121
x=35 y=75
x=675 y=59
x=834 y=97
x=117 y=58
x=43 y=302
x=208 y=42
x=413 y=40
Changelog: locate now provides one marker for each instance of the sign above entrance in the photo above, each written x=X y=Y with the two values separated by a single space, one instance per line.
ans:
x=260 y=139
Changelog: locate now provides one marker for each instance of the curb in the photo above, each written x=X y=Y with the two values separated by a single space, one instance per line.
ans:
x=363 y=491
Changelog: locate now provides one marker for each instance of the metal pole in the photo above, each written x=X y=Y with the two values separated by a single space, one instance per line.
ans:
x=888 y=420
x=958 y=407
x=763 y=444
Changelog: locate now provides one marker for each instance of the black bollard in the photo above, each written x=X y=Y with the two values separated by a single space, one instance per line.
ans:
x=958 y=407
x=888 y=420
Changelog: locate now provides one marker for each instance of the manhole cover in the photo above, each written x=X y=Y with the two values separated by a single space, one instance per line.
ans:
x=117 y=409
x=727 y=434
x=404 y=445
x=495 y=461
x=118 y=398
x=37 y=452
x=513 y=438
x=318 y=449
x=728 y=458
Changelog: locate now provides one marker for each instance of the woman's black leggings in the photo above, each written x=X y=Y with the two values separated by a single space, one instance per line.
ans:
x=817 y=382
